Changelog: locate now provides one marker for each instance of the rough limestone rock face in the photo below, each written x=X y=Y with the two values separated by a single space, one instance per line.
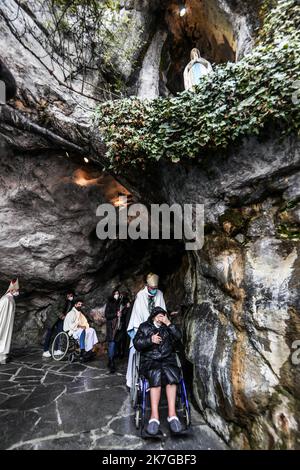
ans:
x=240 y=336
x=43 y=207
x=48 y=222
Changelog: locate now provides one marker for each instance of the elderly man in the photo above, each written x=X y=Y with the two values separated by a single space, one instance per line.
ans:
x=77 y=326
x=147 y=298
x=7 y=315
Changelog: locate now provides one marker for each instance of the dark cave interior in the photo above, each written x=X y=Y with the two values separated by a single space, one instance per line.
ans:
x=203 y=26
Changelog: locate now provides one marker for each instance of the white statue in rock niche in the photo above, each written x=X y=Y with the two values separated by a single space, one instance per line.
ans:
x=195 y=70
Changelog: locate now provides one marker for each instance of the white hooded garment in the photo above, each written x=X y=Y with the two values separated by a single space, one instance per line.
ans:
x=7 y=315
x=140 y=313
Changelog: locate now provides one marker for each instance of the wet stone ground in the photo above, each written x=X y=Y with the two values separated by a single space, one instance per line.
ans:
x=55 y=405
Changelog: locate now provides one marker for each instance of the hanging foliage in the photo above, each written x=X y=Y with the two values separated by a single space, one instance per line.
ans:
x=236 y=100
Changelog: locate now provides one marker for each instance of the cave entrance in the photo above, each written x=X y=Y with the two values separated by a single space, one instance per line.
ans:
x=194 y=23
x=131 y=260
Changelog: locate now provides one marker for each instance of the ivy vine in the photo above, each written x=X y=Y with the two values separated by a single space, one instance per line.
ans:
x=237 y=100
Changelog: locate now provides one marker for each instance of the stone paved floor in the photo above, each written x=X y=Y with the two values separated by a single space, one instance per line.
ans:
x=49 y=405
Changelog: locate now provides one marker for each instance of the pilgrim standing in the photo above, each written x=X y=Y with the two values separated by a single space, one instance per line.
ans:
x=122 y=338
x=113 y=319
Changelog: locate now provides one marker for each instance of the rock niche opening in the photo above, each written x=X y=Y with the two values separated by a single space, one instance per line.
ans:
x=221 y=30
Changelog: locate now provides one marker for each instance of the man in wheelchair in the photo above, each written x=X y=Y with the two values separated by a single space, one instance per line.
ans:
x=155 y=340
x=77 y=326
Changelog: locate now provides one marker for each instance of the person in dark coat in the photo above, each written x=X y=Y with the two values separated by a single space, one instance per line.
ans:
x=56 y=314
x=112 y=315
x=156 y=340
x=122 y=338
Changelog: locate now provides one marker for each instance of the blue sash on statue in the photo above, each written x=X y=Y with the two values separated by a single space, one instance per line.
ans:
x=198 y=70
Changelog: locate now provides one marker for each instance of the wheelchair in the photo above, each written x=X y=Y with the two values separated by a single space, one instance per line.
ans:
x=68 y=345
x=140 y=399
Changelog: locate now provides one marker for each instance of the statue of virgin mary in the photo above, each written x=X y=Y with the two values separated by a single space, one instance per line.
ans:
x=195 y=70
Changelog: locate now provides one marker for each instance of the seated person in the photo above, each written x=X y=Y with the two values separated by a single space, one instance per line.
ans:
x=155 y=340
x=77 y=326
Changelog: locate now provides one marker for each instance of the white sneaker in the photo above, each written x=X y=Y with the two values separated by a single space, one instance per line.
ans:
x=46 y=354
x=58 y=353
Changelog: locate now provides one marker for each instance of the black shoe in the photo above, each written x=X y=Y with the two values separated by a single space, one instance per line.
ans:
x=81 y=356
x=113 y=367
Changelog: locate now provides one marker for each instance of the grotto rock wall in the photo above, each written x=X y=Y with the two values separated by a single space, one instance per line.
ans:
x=48 y=239
x=240 y=292
x=49 y=194
x=47 y=234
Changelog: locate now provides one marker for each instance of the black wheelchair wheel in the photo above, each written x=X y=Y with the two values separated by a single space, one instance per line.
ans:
x=134 y=394
x=63 y=341
x=182 y=404
x=187 y=416
x=137 y=418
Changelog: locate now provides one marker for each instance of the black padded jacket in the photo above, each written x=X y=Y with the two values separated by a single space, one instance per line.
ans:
x=150 y=351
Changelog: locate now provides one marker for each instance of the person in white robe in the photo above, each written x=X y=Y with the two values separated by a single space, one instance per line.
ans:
x=146 y=299
x=7 y=315
x=77 y=326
